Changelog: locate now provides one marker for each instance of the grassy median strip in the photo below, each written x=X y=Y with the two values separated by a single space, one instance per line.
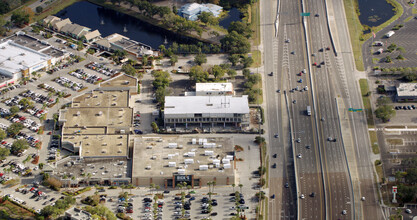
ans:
x=363 y=83
x=374 y=142
x=408 y=19
x=255 y=20
x=257 y=58
x=355 y=31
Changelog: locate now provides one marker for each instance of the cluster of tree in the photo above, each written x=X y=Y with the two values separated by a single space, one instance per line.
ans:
x=4 y=7
x=160 y=84
x=251 y=90
x=100 y=212
x=384 y=111
x=242 y=59
x=182 y=25
x=236 y=41
x=14 y=129
x=232 y=3
x=22 y=17
x=190 y=48
x=208 y=18
x=19 y=146
x=59 y=208
x=407 y=189
x=91 y=200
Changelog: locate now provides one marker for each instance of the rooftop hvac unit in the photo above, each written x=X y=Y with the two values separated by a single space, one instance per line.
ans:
x=227 y=166
x=191 y=154
x=216 y=161
x=203 y=167
x=194 y=141
x=200 y=141
x=208 y=153
x=225 y=161
x=209 y=145
x=78 y=113
x=189 y=161
x=153 y=157
x=172 y=164
x=148 y=167
x=100 y=113
x=170 y=156
x=219 y=146
x=149 y=147
x=172 y=145
x=230 y=157
x=217 y=165
x=181 y=171
x=185 y=155
x=204 y=140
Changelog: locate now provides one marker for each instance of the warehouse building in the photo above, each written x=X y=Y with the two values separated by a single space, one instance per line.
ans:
x=206 y=111
x=407 y=92
x=168 y=161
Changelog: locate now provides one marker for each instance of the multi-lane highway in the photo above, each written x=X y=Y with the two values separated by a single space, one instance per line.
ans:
x=324 y=184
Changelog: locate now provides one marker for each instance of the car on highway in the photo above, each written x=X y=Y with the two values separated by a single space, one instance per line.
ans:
x=316 y=15
x=299 y=156
x=288 y=41
x=408 y=211
x=313 y=194
x=274 y=165
x=276 y=135
x=286 y=185
x=306 y=88
x=302 y=196
x=300 y=80
x=308 y=146
x=274 y=156
x=271 y=74
x=293 y=52
x=344 y=212
x=363 y=198
x=322 y=118
x=298 y=140
x=279 y=90
x=273 y=196
x=295 y=101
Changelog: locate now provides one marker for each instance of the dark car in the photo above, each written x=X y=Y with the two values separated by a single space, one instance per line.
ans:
x=274 y=166
x=213 y=214
x=286 y=185
x=313 y=194
x=204 y=212
x=188 y=196
x=274 y=156
x=205 y=200
x=166 y=191
x=242 y=201
x=192 y=198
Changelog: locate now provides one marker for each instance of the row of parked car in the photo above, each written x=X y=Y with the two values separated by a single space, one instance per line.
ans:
x=63 y=81
x=37 y=97
x=147 y=208
x=65 y=65
x=51 y=89
x=30 y=139
x=4 y=112
x=101 y=69
x=81 y=74
x=405 y=107
x=28 y=123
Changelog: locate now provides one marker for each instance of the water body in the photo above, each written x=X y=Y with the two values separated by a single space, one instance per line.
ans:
x=374 y=12
x=108 y=21
x=234 y=15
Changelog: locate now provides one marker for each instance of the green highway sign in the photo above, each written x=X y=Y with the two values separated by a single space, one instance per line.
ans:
x=355 y=110
x=305 y=14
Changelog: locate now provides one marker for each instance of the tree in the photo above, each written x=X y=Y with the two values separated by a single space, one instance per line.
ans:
x=401 y=49
x=197 y=74
x=217 y=71
x=4 y=7
x=161 y=79
x=246 y=61
x=385 y=113
x=39 y=9
x=231 y=73
x=240 y=186
x=26 y=103
x=233 y=185
x=160 y=93
x=14 y=129
x=388 y=59
x=19 y=146
x=4 y=152
x=241 y=28
x=3 y=134
x=391 y=47
x=129 y=69
x=205 y=17
x=411 y=176
x=234 y=59
x=155 y=127
x=383 y=101
x=200 y=59
x=173 y=59
x=234 y=43
x=22 y=17
x=14 y=109
x=101 y=211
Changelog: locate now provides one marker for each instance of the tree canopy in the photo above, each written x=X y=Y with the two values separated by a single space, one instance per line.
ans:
x=14 y=129
x=197 y=74
x=19 y=146
x=200 y=59
x=241 y=28
x=385 y=112
x=235 y=43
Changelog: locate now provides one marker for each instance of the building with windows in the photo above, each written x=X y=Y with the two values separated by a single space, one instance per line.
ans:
x=206 y=111
x=193 y=10
x=406 y=92
x=65 y=26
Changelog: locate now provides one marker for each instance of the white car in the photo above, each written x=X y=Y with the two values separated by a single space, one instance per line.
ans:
x=299 y=156
x=344 y=212
x=408 y=211
x=302 y=196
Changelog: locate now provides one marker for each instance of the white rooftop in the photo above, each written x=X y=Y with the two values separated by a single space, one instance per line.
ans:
x=206 y=87
x=14 y=57
x=206 y=104
x=407 y=89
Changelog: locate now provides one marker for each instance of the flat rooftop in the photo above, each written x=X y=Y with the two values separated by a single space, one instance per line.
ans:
x=100 y=98
x=100 y=168
x=213 y=87
x=14 y=57
x=407 y=89
x=208 y=105
x=121 y=80
x=97 y=117
x=99 y=145
x=155 y=153
x=53 y=52
x=29 y=42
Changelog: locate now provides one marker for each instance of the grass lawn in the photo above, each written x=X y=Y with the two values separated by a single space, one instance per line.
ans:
x=355 y=31
x=257 y=58
x=363 y=83
x=374 y=142
x=409 y=18
x=414 y=10
x=266 y=203
x=255 y=20
x=15 y=211
x=380 y=173
x=375 y=60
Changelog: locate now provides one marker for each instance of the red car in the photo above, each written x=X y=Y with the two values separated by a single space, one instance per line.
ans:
x=49 y=133
x=314 y=64
x=3 y=142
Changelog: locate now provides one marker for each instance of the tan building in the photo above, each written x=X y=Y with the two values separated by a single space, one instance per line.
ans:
x=167 y=161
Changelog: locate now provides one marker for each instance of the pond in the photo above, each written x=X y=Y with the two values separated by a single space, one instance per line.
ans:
x=374 y=12
x=108 y=21
x=233 y=15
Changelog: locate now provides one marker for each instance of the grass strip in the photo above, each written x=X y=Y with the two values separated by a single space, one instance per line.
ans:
x=54 y=8
x=395 y=141
x=363 y=83
x=257 y=58
x=255 y=20
x=408 y=19
x=355 y=31
x=374 y=142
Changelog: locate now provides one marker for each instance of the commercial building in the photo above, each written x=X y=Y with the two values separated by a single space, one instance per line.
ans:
x=167 y=161
x=77 y=214
x=121 y=82
x=17 y=61
x=193 y=10
x=206 y=111
x=214 y=89
x=407 y=92
x=119 y=42
x=65 y=26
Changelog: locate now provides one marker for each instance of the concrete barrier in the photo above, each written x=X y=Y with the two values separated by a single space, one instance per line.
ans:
x=328 y=27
